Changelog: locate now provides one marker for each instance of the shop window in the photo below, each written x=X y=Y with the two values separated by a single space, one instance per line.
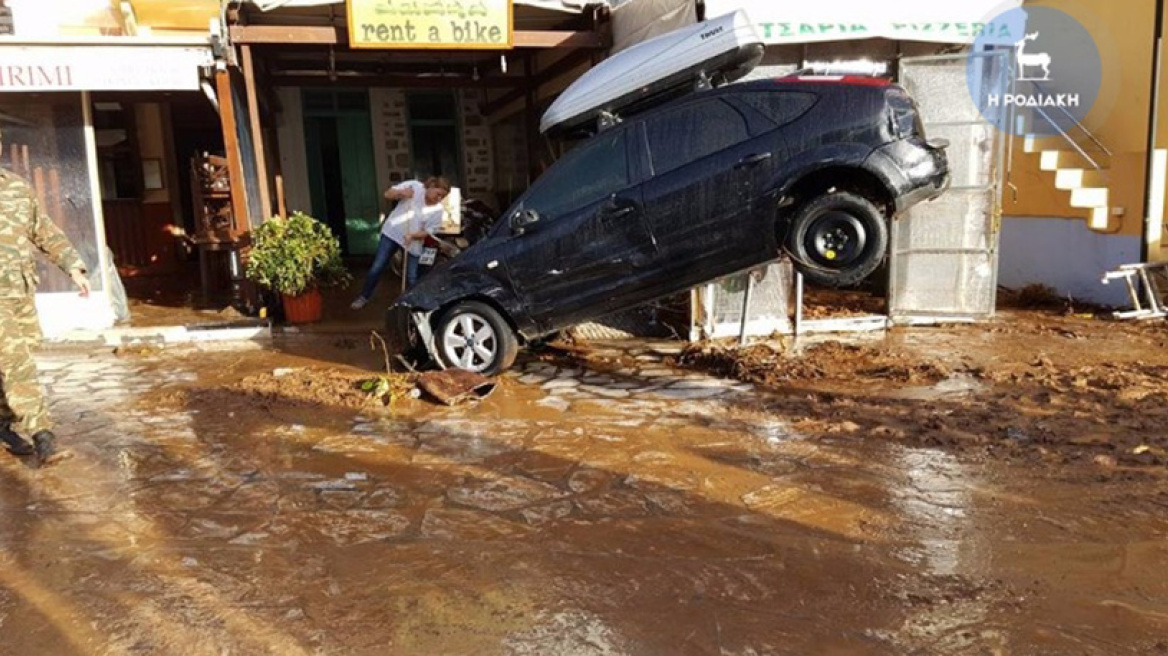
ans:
x=44 y=142
x=435 y=138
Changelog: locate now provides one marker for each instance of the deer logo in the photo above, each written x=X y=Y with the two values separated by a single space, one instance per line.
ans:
x=1031 y=60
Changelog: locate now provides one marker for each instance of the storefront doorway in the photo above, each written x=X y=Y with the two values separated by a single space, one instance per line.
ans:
x=150 y=148
x=338 y=138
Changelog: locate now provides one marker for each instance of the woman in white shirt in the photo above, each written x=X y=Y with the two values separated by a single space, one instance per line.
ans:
x=419 y=212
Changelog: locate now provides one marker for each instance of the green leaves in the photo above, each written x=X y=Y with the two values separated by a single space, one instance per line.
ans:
x=291 y=256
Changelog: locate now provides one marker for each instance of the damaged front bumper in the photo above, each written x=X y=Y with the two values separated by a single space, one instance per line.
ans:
x=410 y=336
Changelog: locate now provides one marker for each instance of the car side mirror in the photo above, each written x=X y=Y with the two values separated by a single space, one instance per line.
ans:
x=521 y=221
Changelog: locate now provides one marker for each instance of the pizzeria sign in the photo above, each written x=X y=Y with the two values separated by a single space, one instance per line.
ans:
x=446 y=24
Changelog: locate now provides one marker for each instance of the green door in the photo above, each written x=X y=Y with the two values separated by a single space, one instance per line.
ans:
x=359 y=183
x=342 y=177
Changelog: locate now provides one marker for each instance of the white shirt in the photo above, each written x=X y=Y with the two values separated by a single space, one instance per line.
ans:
x=412 y=215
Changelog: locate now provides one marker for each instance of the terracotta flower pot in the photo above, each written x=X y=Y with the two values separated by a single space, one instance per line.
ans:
x=305 y=308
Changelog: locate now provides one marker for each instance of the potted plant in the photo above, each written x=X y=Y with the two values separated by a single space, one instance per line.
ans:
x=295 y=257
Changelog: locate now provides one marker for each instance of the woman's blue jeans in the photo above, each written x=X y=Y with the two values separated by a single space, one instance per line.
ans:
x=385 y=251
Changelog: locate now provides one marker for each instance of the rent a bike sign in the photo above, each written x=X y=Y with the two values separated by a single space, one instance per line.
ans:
x=446 y=24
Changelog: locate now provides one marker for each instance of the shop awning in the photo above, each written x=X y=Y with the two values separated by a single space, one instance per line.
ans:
x=571 y=6
x=937 y=21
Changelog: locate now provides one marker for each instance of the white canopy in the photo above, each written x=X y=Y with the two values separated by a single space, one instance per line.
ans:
x=940 y=21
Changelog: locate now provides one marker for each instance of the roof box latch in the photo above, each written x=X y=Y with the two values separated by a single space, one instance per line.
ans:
x=606 y=120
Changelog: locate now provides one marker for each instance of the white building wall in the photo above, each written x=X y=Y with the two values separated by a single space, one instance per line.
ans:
x=1065 y=255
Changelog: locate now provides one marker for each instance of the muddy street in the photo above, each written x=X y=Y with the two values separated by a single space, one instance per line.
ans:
x=995 y=489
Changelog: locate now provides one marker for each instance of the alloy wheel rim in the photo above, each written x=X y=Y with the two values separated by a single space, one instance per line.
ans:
x=470 y=343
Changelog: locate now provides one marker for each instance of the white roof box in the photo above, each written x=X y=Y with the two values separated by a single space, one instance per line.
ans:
x=723 y=49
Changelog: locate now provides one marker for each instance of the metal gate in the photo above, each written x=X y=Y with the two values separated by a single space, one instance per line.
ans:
x=944 y=256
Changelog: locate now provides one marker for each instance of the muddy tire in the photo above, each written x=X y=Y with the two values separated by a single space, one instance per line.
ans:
x=473 y=336
x=838 y=239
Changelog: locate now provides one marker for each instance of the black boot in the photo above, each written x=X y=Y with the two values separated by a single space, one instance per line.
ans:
x=16 y=444
x=45 y=444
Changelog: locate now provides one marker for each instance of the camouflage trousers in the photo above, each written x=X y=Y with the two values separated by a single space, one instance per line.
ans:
x=21 y=400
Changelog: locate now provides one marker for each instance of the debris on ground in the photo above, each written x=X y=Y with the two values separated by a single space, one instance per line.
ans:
x=828 y=361
x=841 y=303
x=454 y=386
x=303 y=387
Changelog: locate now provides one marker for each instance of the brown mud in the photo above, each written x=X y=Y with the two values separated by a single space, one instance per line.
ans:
x=1033 y=386
x=604 y=503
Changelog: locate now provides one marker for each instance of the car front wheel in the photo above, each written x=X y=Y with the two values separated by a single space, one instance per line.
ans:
x=838 y=239
x=473 y=336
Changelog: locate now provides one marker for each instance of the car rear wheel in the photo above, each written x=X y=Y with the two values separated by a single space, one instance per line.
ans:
x=473 y=336
x=838 y=239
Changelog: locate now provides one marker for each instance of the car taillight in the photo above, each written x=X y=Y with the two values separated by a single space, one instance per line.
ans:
x=905 y=118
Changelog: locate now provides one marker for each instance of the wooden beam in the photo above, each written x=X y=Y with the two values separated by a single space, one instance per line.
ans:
x=257 y=133
x=403 y=81
x=287 y=34
x=563 y=65
x=558 y=39
x=328 y=35
x=531 y=121
x=231 y=146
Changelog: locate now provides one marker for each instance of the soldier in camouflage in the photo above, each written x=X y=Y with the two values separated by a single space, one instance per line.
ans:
x=23 y=227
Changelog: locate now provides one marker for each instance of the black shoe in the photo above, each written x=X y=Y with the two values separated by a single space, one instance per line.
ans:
x=17 y=445
x=45 y=444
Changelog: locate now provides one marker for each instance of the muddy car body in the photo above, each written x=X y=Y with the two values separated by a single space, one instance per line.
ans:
x=691 y=191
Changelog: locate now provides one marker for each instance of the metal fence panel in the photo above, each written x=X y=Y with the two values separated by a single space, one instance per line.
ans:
x=944 y=254
x=721 y=303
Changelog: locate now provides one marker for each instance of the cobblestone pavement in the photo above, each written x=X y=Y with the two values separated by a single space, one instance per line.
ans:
x=635 y=510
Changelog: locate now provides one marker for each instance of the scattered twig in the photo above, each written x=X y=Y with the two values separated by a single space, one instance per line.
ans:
x=384 y=349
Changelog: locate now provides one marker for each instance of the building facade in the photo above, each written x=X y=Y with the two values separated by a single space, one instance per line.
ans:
x=83 y=108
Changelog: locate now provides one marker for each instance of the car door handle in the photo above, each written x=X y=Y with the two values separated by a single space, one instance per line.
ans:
x=752 y=160
x=617 y=209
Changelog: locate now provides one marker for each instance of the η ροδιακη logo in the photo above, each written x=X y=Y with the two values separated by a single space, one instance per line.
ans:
x=1046 y=74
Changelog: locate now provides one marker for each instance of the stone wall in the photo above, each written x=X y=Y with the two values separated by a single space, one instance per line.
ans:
x=478 y=160
x=510 y=155
x=391 y=132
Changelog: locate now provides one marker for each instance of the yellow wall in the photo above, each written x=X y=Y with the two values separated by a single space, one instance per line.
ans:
x=1123 y=31
x=1157 y=237
x=175 y=16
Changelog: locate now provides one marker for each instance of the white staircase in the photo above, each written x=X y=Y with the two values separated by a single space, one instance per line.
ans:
x=1079 y=172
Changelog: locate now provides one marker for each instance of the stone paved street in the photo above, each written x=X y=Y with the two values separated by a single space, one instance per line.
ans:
x=632 y=509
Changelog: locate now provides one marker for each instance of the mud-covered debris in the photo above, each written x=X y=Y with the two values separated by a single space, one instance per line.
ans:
x=829 y=361
x=307 y=387
x=454 y=386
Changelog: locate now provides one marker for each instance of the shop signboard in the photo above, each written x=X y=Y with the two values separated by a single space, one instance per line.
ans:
x=446 y=24
x=842 y=20
x=26 y=69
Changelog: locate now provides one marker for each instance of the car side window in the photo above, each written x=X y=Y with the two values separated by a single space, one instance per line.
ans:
x=781 y=107
x=594 y=170
x=690 y=133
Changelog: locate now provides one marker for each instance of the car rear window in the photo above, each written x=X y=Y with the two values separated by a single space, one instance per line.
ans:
x=781 y=107
x=689 y=133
